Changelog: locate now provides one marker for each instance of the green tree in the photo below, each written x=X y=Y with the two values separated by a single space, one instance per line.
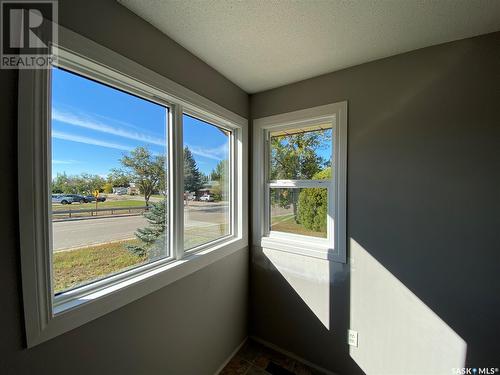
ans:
x=219 y=171
x=220 y=175
x=60 y=183
x=313 y=204
x=295 y=157
x=204 y=178
x=118 y=178
x=193 y=178
x=84 y=183
x=146 y=170
x=153 y=237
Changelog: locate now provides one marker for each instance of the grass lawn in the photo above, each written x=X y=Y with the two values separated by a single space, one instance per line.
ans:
x=107 y=204
x=287 y=223
x=197 y=236
x=80 y=266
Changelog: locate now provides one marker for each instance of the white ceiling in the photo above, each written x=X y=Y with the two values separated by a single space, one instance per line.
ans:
x=262 y=44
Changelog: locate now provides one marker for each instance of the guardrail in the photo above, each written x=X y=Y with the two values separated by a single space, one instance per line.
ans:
x=92 y=210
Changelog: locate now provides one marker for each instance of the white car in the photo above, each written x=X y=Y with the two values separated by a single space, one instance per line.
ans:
x=206 y=198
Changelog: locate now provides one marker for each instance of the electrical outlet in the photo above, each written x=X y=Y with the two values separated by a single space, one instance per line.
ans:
x=352 y=338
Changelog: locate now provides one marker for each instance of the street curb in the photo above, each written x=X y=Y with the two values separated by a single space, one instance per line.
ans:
x=93 y=217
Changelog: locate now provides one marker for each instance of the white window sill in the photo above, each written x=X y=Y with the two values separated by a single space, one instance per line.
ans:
x=175 y=269
x=78 y=311
x=315 y=248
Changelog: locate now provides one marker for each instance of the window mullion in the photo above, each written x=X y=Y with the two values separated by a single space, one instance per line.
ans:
x=300 y=184
x=266 y=168
x=176 y=184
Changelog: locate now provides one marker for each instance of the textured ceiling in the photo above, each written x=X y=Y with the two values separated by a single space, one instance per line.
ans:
x=262 y=44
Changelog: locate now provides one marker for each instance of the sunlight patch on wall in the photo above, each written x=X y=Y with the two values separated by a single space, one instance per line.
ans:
x=397 y=332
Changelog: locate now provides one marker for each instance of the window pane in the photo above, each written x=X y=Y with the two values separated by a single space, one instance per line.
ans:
x=300 y=154
x=109 y=151
x=299 y=211
x=206 y=182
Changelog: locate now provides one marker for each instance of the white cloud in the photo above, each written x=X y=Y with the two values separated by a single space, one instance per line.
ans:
x=89 y=141
x=218 y=153
x=88 y=122
x=55 y=161
x=93 y=123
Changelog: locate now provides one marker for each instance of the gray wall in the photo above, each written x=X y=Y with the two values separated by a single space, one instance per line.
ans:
x=423 y=199
x=189 y=327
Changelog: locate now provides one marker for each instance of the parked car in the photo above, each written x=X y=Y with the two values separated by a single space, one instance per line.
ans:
x=78 y=198
x=91 y=198
x=190 y=196
x=207 y=198
x=61 y=198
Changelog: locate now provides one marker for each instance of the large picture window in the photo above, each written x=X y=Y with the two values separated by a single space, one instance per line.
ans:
x=108 y=180
x=128 y=181
x=109 y=184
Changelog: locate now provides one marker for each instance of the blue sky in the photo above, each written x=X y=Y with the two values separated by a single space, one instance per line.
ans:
x=94 y=125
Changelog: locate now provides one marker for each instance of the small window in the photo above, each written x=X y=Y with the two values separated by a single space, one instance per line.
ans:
x=109 y=178
x=300 y=169
x=207 y=194
x=300 y=180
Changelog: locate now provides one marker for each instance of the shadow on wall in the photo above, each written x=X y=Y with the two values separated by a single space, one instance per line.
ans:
x=308 y=277
x=308 y=310
x=298 y=308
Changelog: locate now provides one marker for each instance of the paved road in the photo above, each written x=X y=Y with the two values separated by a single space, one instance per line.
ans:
x=209 y=214
x=79 y=233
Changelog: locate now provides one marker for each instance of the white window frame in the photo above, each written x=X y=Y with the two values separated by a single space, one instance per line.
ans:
x=334 y=246
x=47 y=316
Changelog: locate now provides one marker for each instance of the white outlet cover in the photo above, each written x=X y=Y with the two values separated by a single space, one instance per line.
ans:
x=352 y=338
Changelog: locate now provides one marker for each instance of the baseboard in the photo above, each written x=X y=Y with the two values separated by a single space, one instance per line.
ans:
x=231 y=356
x=292 y=355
